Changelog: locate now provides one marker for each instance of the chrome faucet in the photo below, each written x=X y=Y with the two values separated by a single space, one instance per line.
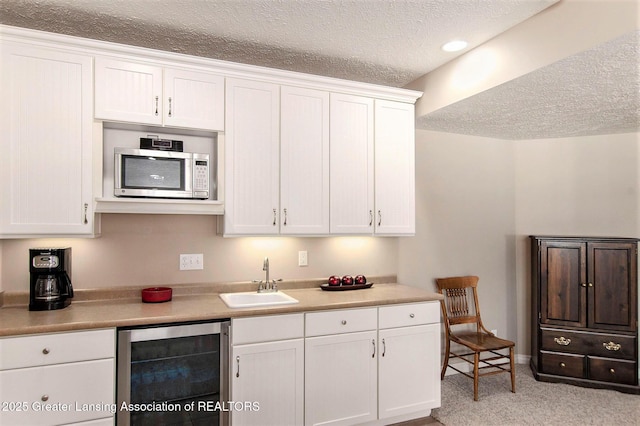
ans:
x=268 y=285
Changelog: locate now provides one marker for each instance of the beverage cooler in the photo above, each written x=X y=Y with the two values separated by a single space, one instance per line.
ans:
x=173 y=375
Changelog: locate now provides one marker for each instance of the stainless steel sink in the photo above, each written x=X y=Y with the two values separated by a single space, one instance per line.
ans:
x=253 y=299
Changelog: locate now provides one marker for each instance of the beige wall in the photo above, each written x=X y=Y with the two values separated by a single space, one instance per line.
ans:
x=478 y=199
x=465 y=221
x=144 y=250
x=573 y=186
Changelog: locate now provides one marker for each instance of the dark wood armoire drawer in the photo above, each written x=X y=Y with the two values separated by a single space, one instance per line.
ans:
x=610 y=370
x=563 y=364
x=588 y=343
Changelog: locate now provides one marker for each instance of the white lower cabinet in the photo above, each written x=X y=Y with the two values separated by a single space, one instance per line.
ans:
x=267 y=370
x=76 y=384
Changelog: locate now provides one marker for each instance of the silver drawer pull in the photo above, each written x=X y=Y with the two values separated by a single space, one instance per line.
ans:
x=612 y=371
x=46 y=351
x=344 y=322
x=412 y=315
x=44 y=397
x=562 y=341
x=612 y=346
x=563 y=365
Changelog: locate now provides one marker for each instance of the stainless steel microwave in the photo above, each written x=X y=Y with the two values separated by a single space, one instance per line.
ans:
x=161 y=174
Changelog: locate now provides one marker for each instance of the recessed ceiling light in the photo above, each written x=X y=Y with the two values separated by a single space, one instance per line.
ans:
x=454 y=46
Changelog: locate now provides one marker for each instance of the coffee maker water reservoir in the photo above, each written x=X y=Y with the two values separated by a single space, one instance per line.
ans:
x=50 y=286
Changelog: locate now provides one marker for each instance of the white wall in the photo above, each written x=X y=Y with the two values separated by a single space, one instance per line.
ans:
x=143 y=250
x=465 y=221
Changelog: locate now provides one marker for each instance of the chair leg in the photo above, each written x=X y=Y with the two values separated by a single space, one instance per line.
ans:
x=476 y=360
x=446 y=360
x=513 y=371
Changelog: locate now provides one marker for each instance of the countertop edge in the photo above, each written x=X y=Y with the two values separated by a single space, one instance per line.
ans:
x=189 y=308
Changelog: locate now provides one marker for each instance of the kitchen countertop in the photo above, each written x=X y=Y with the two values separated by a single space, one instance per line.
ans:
x=187 y=306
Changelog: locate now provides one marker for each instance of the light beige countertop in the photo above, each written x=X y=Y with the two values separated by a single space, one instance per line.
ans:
x=123 y=308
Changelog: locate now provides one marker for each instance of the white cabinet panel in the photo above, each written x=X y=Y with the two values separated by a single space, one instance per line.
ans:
x=271 y=375
x=341 y=379
x=304 y=163
x=151 y=94
x=352 y=163
x=75 y=392
x=193 y=99
x=252 y=158
x=46 y=147
x=409 y=370
x=394 y=168
x=128 y=91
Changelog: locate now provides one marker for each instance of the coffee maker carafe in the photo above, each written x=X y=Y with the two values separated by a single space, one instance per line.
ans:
x=50 y=278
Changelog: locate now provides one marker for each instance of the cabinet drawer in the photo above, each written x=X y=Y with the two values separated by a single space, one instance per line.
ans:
x=266 y=329
x=409 y=314
x=56 y=348
x=66 y=389
x=582 y=342
x=609 y=370
x=341 y=321
x=563 y=364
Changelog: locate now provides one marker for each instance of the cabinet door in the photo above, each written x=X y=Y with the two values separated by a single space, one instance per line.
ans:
x=128 y=91
x=73 y=392
x=193 y=100
x=45 y=150
x=341 y=379
x=563 y=283
x=409 y=376
x=304 y=161
x=271 y=375
x=351 y=159
x=394 y=168
x=252 y=153
x=612 y=285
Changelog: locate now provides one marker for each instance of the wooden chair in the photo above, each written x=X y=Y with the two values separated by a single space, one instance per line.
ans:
x=460 y=307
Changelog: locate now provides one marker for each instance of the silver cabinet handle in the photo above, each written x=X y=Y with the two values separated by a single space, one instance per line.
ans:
x=285 y=217
x=379 y=218
x=238 y=366
x=373 y=342
x=370 y=217
x=274 y=217
x=46 y=351
x=169 y=106
x=412 y=315
x=86 y=207
x=384 y=347
x=156 y=105
x=44 y=397
x=344 y=322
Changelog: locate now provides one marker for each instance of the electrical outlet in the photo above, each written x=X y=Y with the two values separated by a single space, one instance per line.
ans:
x=302 y=258
x=190 y=262
x=495 y=332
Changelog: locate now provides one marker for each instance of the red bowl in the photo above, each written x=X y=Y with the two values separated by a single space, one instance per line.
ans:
x=156 y=294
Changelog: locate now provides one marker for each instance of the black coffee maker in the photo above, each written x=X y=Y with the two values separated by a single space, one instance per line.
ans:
x=50 y=278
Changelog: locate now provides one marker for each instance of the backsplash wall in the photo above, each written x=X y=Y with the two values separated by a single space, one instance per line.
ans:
x=143 y=250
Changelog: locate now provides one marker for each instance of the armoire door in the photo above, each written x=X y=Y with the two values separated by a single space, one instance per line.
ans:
x=612 y=285
x=563 y=283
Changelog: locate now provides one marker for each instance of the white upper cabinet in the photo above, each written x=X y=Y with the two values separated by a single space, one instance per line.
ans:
x=46 y=146
x=150 y=94
x=352 y=162
x=252 y=158
x=394 y=168
x=304 y=161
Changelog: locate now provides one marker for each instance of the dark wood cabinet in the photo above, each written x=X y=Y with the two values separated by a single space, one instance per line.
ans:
x=584 y=327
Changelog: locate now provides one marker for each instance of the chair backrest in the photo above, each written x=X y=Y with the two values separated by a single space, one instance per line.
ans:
x=460 y=304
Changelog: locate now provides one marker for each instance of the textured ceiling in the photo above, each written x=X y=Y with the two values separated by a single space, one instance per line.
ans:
x=594 y=92
x=389 y=42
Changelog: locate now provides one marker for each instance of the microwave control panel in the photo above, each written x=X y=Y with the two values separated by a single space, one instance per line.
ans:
x=201 y=178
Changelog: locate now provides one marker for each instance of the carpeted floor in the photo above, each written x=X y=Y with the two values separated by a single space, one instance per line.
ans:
x=534 y=403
